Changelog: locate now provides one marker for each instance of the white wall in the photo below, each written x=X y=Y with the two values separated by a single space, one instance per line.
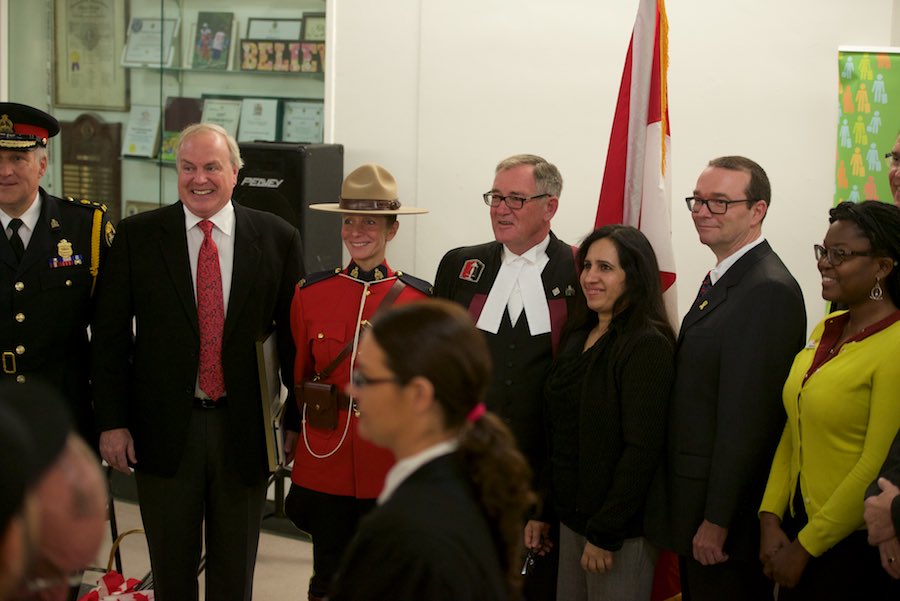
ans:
x=439 y=92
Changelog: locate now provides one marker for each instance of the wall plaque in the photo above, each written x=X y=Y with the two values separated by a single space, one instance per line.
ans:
x=91 y=167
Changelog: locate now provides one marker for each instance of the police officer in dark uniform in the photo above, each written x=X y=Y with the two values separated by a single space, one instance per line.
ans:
x=50 y=255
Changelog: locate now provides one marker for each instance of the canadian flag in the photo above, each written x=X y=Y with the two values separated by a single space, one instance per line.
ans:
x=636 y=187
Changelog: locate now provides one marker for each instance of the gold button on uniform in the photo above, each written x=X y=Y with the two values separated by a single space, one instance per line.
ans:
x=20 y=286
x=20 y=350
x=320 y=335
x=20 y=317
x=20 y=379
x=69 y=283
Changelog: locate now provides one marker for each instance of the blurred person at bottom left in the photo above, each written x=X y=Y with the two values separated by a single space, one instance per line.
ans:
x=70 y=491
x=449 y=518
x=18 y=503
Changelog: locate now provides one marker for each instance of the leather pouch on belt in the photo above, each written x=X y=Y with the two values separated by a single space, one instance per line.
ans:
x=321 y=402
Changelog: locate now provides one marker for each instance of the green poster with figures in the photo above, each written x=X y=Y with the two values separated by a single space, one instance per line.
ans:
x=867 y=125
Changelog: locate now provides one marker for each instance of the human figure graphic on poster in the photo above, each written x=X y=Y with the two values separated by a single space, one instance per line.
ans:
x=854 y=194
x=847 y=73
x=857 y=169
x=845 y=135
x=847 y=100
x=859 y=131
x=865 y=68
x=870 y=189
x=842 y=182
x=874 y=123
x=883 y=61
x=873 y=159
x=862 y=99
x=879 y=93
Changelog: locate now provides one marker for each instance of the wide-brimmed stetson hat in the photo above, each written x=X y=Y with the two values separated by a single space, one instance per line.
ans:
x=369 y=190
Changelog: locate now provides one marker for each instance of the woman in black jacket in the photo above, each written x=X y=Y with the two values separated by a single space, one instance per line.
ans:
x=606 y=402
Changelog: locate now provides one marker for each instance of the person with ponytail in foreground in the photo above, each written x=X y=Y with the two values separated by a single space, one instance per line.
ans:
x=449 y=518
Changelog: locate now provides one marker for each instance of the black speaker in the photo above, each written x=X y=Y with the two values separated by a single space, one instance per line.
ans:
x=285 y=178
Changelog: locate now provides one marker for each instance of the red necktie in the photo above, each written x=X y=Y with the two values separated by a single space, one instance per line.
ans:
x=210 y=315
x=704 y=286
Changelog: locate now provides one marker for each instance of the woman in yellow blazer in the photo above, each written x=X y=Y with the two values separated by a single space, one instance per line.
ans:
x=842 y=399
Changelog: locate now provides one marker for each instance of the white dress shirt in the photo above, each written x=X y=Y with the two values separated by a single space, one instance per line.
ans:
x=717 y=272
x=404 y=468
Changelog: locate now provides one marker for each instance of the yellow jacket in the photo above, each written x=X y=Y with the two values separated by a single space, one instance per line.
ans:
x=840 y=424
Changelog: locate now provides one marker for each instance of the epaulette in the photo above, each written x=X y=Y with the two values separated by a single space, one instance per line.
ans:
x=418 y=284
x=88 y=204
x=317 y=277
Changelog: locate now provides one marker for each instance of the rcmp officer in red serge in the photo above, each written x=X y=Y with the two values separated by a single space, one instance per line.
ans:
x=337 y=475
x=49 y=260
x=519 y=289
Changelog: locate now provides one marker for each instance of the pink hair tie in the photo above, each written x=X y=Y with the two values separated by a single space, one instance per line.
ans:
x=476 y=413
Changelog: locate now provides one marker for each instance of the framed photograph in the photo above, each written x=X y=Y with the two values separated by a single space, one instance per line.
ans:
x=213 y=36
x=274 y=29
x=314 y=27
x=150 y=42
x=88 y=41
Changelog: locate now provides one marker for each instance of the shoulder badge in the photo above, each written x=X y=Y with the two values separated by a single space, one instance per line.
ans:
x=109 y=233
x=471 y=270
x=418 y=284
x=317 y=277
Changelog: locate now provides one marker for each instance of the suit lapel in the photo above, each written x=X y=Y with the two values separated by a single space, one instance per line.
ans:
x=173 y=248
x=245 y=268
x=717 y=295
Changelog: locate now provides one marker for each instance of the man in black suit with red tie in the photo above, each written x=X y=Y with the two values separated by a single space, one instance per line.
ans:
x=178 y=396
x=734 y=351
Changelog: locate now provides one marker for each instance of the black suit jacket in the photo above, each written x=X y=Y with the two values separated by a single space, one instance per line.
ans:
x=735 y=348
x=146 y=382
x=891 y=471
x=46 y=305
x=430 y=540
x=516 y=392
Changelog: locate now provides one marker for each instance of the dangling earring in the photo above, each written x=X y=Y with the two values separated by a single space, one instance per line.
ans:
x=877 y=292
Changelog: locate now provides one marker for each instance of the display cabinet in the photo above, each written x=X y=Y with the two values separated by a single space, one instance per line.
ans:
x=134 y=72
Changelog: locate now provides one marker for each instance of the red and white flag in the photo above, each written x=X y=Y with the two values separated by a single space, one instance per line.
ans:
x=636 y=187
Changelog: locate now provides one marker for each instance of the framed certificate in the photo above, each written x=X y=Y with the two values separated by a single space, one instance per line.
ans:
x=89 y=38
x=142 y=131
x=224 y=112
x=314 y=27
x=259 y=120
x=150 y=42
x=302 y=121
x=274 y=29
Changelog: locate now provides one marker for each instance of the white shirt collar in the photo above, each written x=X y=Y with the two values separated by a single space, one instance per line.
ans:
x=29 y=217
x=223 y=220
x=717 y=272
x=404 y=468
x=532 y=255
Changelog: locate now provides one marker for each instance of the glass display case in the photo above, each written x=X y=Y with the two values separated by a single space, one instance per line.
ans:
x=124 y=76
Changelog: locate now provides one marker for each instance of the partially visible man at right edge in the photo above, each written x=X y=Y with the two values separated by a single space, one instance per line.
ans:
x=519 y=289
x=736 y=345
x=893 y=158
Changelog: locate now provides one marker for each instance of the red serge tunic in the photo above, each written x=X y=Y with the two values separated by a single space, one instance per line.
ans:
x=327 y=313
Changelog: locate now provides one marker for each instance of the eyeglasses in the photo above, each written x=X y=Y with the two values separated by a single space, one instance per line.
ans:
x=492 y=199
x=716 y=206
x=836 y=256
x=37 y=585
x=893 y=158
x=359 y=380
